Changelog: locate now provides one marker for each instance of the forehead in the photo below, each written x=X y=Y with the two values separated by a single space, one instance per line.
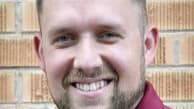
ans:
x=76 y=12
x=85 y=5
x=84 y=2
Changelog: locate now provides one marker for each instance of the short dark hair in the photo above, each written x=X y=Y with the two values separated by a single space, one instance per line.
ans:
x=140 y=3
x=143 y=20
x=39 y=6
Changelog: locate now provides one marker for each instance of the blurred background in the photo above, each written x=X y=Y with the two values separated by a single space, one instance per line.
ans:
x=23 y=85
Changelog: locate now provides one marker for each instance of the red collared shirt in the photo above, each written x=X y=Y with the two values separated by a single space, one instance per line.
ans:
x=150 y=99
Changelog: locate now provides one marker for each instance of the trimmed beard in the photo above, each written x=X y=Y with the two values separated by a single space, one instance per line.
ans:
x=120 y=100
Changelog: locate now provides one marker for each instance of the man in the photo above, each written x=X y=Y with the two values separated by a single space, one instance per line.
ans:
x=94 y=53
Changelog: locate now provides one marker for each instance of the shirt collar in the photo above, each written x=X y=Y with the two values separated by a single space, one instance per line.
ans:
x=150 y=99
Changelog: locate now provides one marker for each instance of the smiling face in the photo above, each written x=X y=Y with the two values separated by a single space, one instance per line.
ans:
x=92 y=53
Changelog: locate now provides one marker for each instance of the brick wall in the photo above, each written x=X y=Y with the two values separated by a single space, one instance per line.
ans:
x=23 y=84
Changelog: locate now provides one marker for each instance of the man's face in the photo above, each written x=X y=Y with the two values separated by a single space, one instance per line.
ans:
x=92 y=53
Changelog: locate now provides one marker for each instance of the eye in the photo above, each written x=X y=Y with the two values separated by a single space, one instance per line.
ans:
x=108 y=37
x=65 y=40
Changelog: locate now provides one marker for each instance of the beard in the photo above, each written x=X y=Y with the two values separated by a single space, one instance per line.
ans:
x=119 y=100
x=123 y=100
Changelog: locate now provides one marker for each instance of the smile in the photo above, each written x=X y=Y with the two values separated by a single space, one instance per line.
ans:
x=92 y=86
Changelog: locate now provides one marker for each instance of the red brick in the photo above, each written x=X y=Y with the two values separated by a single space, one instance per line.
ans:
x=175 y=49
x=187 y=49
x=7 y=79
x=178 y=105
x=30 y=19
x=171 y=14
x=7 y=16
x=35 y=87
x=17 y=51
x=173 y=84
x=165 y=54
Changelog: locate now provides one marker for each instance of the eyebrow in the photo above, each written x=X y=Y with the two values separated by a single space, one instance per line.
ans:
x=97 y=24
x=98 y=27
x=111 y=27
x=61 y=29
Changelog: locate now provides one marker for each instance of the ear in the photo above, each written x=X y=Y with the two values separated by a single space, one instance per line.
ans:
x=150 y=44
x=37 y=40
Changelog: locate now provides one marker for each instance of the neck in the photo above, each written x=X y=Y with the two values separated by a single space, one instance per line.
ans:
x=138 y=101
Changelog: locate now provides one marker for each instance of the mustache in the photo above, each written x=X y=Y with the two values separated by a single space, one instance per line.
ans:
x=84 y=74
x=104 y=72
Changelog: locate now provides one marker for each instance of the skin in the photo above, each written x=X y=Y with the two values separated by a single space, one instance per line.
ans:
x=84 y=42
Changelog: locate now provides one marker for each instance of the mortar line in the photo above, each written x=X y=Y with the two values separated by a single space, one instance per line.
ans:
x=18 y=16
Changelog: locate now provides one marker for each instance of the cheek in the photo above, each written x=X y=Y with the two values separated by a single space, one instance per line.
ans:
x=127 y=63
x=57 y=64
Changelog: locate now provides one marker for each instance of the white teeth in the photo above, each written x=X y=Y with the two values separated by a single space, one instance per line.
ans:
x=86 y=87
x=102 y=83
x=91 y=86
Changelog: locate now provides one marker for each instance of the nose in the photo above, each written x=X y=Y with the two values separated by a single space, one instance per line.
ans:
x=87 y=58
